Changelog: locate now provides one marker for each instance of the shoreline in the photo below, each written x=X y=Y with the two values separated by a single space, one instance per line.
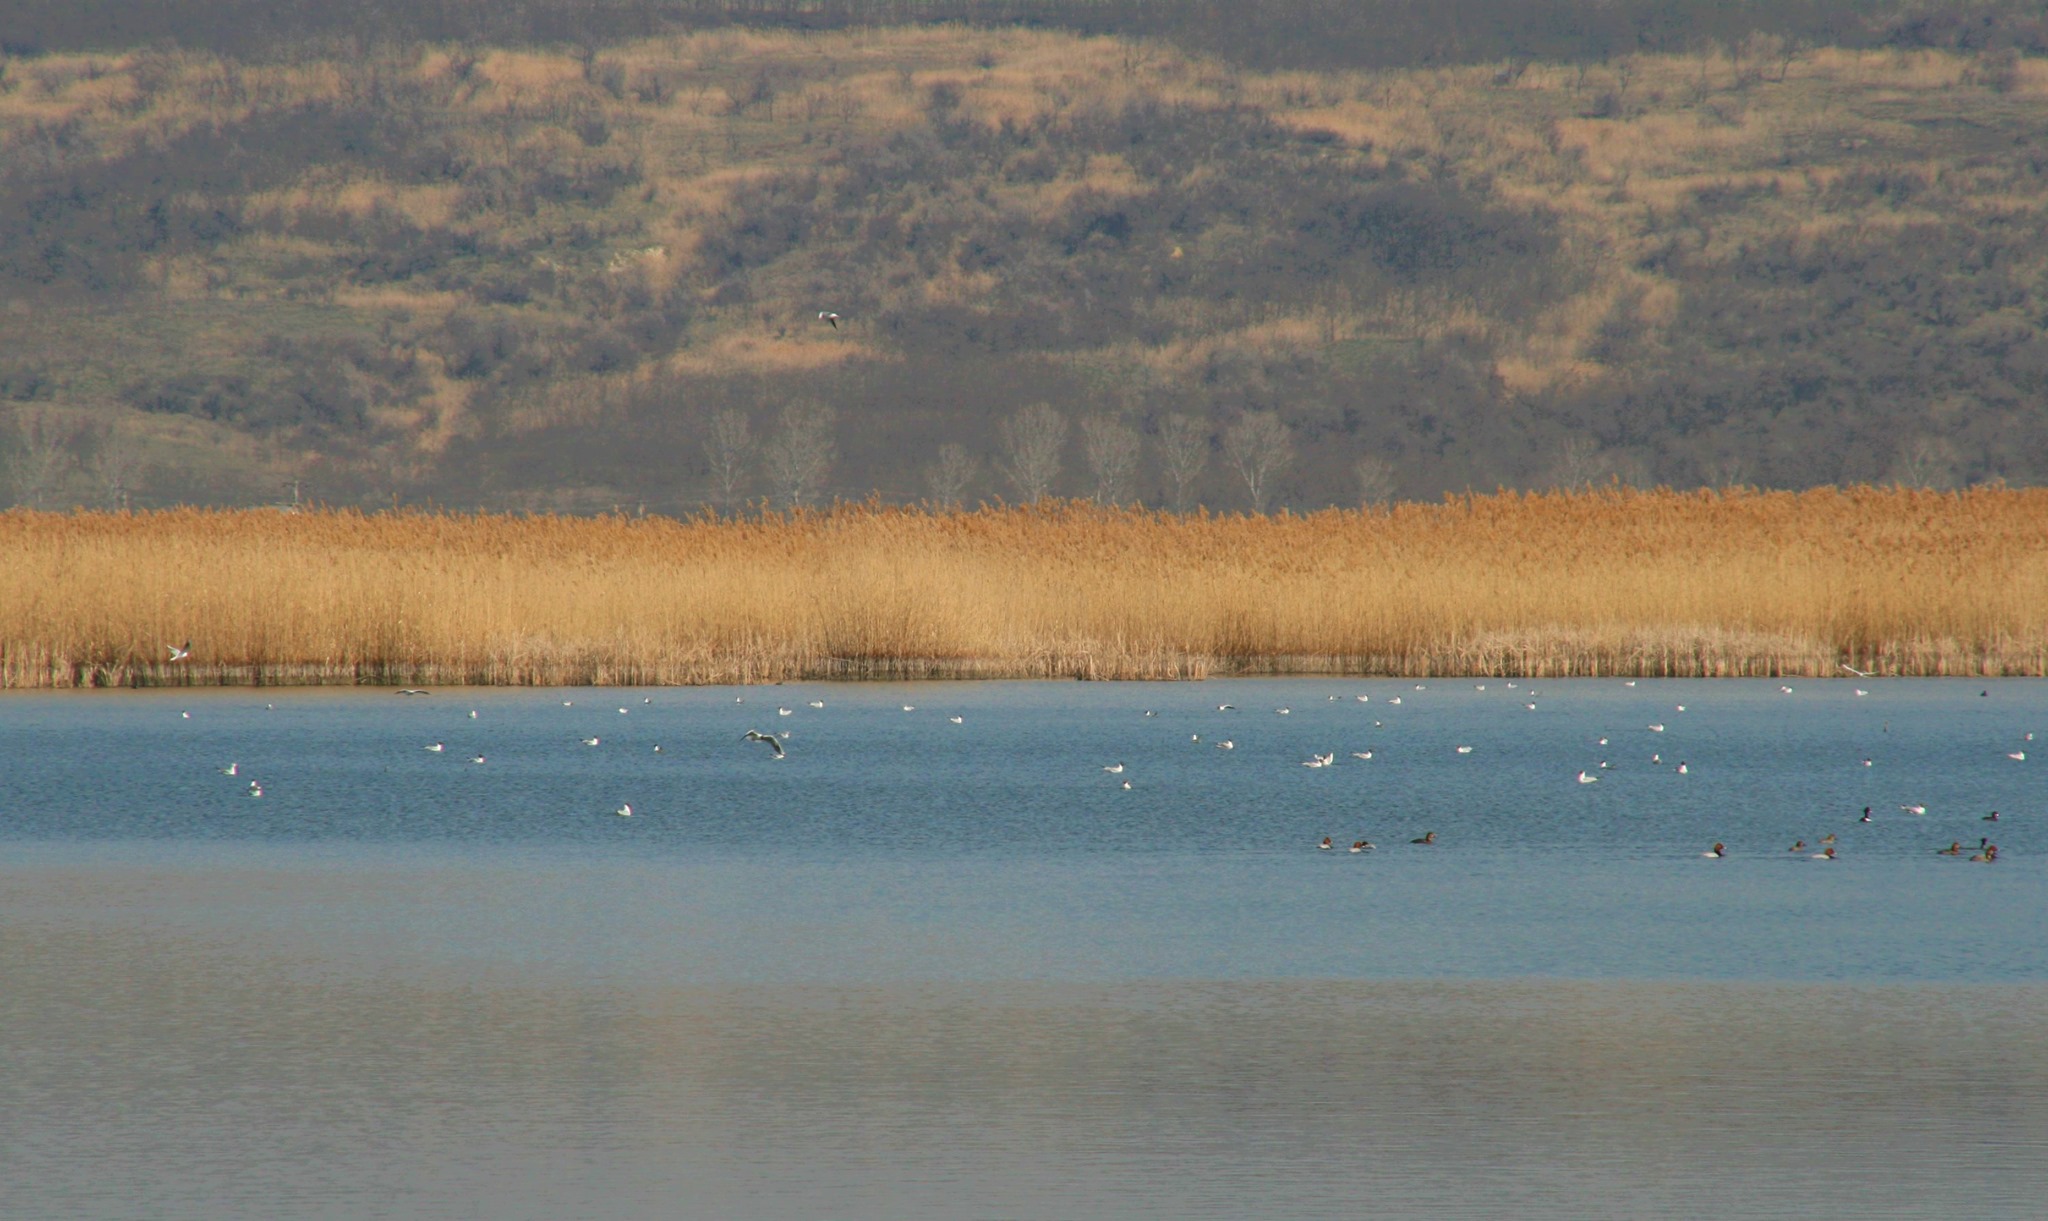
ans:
x=1545 y=663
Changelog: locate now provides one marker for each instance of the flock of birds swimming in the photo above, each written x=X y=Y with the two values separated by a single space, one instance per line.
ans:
x=1824 y=849
x=1986 y=852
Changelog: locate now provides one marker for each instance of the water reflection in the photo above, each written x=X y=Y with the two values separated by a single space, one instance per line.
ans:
x=180 y=1076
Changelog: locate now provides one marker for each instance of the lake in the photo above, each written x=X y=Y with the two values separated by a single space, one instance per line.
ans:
x=938 y=961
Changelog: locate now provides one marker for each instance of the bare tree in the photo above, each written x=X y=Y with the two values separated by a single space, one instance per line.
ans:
x=1578 y=464
x=1927 y=462
x=1376 y=479
x=947 y=478
x=1258 y=447
x=1111 y=448
x=1183 y=452
x=117 y=466
x=727 y=448
x=42 y=457
x=1032 y=441
x=800 y=452
x=1728 y=471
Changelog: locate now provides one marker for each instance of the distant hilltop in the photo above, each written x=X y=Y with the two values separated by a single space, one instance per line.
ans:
x=660 y=256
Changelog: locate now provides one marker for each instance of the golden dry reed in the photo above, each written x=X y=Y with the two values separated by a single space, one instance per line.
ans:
x=1592 y=583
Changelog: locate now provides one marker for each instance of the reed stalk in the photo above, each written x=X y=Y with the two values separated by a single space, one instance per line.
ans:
x=1613 y=582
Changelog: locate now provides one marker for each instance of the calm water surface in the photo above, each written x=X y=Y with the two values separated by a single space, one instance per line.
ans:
x=922 y=968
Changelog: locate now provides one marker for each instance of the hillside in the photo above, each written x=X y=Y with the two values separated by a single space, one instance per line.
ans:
x=535 y=277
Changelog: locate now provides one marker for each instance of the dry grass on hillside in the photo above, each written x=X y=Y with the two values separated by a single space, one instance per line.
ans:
x=1613 y=150
x=1594 y=583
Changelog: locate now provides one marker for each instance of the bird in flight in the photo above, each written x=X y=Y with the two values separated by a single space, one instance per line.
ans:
x=755 y=735
x=827 y=316
x=1858 y=673
x=180 y=654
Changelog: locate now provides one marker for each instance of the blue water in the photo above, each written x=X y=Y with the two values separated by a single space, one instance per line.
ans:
x=892 y=844
x=925 y=969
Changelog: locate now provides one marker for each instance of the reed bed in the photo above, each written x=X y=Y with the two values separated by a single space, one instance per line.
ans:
x=1613 y=582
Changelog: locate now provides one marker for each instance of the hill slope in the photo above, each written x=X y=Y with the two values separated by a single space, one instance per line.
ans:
x=528 y=278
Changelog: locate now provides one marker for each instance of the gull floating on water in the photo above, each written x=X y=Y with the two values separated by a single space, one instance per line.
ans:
x=817 y=703
x=1361 y=754
x=1226 y=707
x=784 y=712
x=231 y=769
x=625 y=810
x=1114 y=769
x=1914 y=809
x=1464 y=750
x=1585 y=779
x=1657 y=727
x=412 y=691
x=1283 y=711
x=755 y=735
x=472 y=714
x=1226 y=744
x=957 y=720
x=590 y=741
x=1127 y=784
x=1320 y=760
x=434 y=749
x=2017 y=754
x=476 y=758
